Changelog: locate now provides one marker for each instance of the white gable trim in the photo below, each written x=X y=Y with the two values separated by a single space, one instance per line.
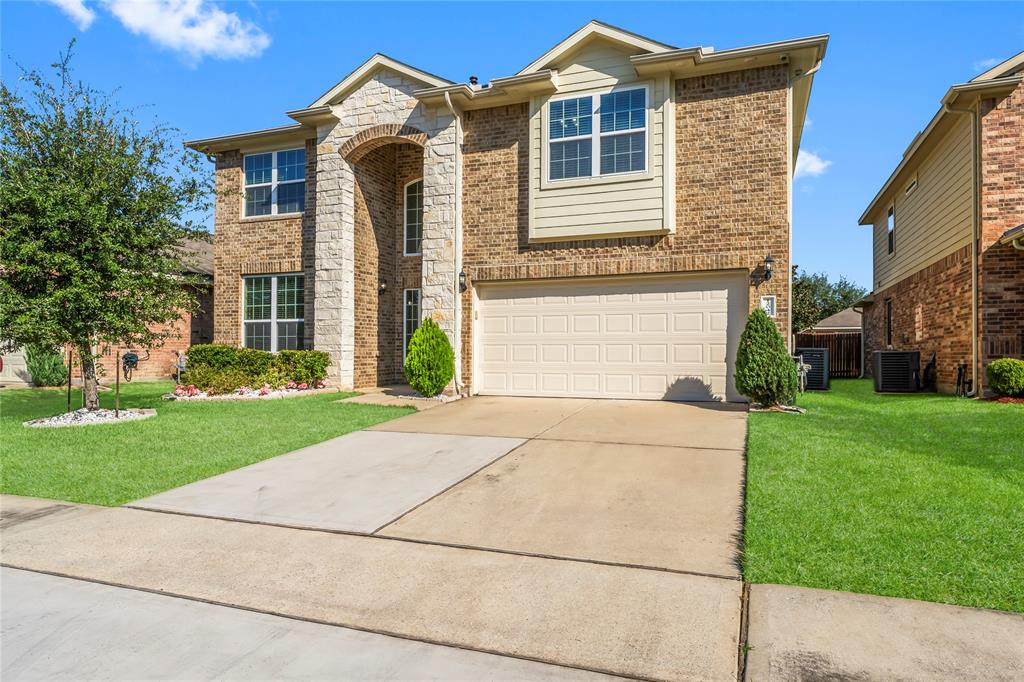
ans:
x=595 y=28
x=371 y=65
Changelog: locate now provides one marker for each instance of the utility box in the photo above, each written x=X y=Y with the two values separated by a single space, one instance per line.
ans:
x=817 y=376
x=897 y=371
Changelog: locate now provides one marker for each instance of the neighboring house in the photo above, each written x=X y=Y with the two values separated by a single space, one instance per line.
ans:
x=844 y=322
x=190 y=328
x=948 y=270
x=594 y=225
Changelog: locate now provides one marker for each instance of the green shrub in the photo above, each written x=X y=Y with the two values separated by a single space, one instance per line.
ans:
x=225 y=368
x=765 y=372
x=430 y=362
x=1006 y=376
x=45 y=365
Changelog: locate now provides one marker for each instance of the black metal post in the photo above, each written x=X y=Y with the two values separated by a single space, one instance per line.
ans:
x=69 y=379
x=117 y=386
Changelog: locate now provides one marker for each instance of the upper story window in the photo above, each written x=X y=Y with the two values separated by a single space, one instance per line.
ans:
x=890 y=227
x=413 y=210
x=618 y=142
x=275 y=182
x=274 y=312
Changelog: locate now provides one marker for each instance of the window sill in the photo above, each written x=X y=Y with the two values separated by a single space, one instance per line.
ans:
x=418 y=254
x=596 y=180
x=270 y=218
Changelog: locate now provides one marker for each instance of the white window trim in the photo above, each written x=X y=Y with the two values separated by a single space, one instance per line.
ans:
x=405 y=220
x=890 y=232
x=273 y=320
x=405 y=319
x=273 y=184
x=596 y=135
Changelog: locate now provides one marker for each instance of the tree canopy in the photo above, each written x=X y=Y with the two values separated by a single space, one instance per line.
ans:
x=94 y=205
x=815 y=297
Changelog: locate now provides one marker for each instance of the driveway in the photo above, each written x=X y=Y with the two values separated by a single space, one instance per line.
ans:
x=599 y=535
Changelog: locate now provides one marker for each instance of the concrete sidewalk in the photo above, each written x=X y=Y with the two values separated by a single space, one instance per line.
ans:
x=62 y=629
x=624 y=621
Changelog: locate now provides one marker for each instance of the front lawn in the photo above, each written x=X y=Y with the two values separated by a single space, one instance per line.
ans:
x=112 y=464
x=917 y=496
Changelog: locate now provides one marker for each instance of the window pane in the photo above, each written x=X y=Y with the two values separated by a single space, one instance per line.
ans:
x=622 y=153
x=290 y=335
x=411 y=316
x=413 y=217
x=571 y=159
x=291 y=198
x=623 y=110
x=257 y=335
x=291 y=165
x=257 y=201
x=257 y=298
x=571 y=117
x=291 y=297
x=258 y=168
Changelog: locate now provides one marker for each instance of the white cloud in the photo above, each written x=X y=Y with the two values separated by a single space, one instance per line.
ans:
x=194 y=28
x=810 y=164
x=77 y=12
x=985 y=64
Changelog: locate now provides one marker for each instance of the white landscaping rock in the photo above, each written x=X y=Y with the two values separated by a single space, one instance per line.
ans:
x=85 y=417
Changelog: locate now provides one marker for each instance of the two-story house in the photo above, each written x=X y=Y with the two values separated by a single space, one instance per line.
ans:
x=949 y=234
x=599 y=224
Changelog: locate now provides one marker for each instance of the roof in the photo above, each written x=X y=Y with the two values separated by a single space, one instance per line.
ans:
x=197 y=256
x=844 y=319
x=368 y=68
x=1013 y=235
x=583 y=35
x=1000 y=79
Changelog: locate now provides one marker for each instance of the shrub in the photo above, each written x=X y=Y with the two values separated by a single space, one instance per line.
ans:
x=225 y=368
x=430 y=362
x=1006 y=376
x=765 y=372
x=45 y=365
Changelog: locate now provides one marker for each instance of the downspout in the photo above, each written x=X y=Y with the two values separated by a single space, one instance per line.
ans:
x=975 y=230
x=791 y=337
x=459 y=384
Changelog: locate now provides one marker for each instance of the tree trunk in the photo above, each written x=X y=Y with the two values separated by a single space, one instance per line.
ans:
x=90 y=386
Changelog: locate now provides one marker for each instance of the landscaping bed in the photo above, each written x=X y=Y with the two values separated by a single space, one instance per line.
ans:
x=186 y=442
x=918 y=496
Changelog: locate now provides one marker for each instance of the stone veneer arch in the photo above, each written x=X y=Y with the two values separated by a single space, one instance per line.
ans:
x=364 y=142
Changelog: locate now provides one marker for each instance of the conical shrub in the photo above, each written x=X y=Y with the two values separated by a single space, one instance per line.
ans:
x=430 y=360
x=765 y=372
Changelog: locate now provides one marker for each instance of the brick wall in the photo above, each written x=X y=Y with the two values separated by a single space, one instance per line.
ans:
x=931 y=312
x=1001 y=267
x=731 y=169
x=381 y=176
x=259 y=245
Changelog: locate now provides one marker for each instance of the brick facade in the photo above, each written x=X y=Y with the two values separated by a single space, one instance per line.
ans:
x=732 y=207
x=932 y=307
x=931 y=313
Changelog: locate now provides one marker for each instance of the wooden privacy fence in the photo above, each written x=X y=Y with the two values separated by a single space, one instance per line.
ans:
x=844 y=352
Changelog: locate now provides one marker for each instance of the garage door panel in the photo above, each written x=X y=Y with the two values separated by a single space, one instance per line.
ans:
x=622 y=338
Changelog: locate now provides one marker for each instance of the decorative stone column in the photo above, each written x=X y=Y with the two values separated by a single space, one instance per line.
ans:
x=437 y=295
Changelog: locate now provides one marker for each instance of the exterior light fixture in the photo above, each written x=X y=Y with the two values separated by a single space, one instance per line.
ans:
x=382 y=286
x=769 y=266
x=462 y=280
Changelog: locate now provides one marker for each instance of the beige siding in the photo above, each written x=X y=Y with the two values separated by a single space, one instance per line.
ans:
x=598 y=207
x=935 y=219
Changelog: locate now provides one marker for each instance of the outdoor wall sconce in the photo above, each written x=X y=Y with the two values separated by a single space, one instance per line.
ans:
x=462 y=280
x=382 y=286
x=769 y=266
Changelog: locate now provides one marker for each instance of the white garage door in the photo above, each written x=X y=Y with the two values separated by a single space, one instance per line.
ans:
x=631 y=337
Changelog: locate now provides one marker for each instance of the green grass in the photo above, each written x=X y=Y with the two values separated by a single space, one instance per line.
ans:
x=917 y=496
x=111 y=464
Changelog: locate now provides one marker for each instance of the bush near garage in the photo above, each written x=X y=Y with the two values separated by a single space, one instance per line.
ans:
x=217 y=368
x=765 y=372
x=45 y=365
x=430 y=362
x=1006 y=376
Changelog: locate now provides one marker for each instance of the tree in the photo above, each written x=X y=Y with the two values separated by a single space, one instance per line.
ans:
x=815 y=298
x=430 y=362
x=765 y=372
x=94 y=206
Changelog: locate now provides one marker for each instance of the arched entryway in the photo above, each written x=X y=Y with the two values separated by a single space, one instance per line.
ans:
x=387 y=163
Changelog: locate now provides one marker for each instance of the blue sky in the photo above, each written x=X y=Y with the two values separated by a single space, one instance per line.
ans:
x=211 y=68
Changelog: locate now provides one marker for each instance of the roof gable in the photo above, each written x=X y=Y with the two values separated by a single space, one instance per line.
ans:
x=368 y=69
x=595 y=30
x=1007 y=68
